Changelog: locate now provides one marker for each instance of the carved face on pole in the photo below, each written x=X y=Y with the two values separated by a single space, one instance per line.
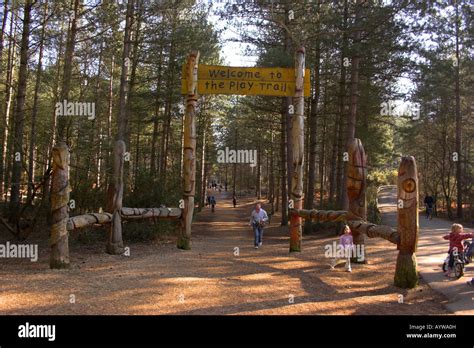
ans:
x=408 y=204
x=356 y=178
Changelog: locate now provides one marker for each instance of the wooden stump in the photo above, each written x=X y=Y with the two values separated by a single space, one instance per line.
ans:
x=297 y=135
x=406 y=272
x=189 y=152
x=114 y=203
x=59 y=241
x=356 y=186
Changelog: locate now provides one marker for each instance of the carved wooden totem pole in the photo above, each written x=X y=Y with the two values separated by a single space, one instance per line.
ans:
x=297 y=134
x=356 y=187
x=59 y=240
x=406 y=274
x=189 y=153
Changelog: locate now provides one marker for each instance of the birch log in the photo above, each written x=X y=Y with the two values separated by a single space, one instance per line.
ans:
x=81 y=221
x=189 y=151
x=146 y=213
x=297 y=135
x=406 y=273
x=59 y=241
x=357 y=226
x=321 y=215
x=356 y=186
x=374 y=231
x=114 y=204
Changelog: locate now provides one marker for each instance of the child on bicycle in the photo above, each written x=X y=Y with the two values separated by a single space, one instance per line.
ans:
x=455 y=244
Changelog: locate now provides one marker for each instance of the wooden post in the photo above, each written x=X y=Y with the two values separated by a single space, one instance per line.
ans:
x=114 y=201
x=59 y=241
x=189 y=151
x=297 y=135
x=406 y=274
x=356 y=186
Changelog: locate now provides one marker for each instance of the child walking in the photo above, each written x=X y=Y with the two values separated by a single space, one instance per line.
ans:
x=347 y=243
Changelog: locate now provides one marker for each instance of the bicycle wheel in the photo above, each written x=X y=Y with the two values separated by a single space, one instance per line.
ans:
x=445 y=266
x=458 y=270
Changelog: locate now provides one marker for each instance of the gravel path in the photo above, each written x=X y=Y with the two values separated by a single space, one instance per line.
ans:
x=222 y=274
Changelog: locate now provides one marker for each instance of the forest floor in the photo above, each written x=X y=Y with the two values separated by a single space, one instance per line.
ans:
x=212 y=278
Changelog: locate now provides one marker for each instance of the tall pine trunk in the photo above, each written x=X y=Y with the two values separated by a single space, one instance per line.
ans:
x=352 y=117
x=19 y=116
x=39 y=69
x=5 y=135
x=313 y=119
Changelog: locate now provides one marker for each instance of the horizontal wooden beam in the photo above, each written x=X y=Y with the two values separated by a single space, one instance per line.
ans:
x=80 y=221
x=323 y=215
x=144 y=213
x=375 y=231
x=356 y=225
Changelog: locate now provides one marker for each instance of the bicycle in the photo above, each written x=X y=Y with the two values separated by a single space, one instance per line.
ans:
x=460 y=261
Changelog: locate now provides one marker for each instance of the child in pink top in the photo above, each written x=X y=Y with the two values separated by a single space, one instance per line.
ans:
x=347 y=243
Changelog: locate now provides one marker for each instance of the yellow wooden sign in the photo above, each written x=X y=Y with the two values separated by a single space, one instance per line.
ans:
x=214 y=79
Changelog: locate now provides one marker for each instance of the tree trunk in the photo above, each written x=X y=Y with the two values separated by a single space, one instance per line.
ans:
x=351 y=121
x=259 y=172
x=154 y=140
x=114 y=201
x=110 y=101
x=31 y=160
x=11 y=59
x=19 y=116
x=63 y=122
x=271 y=179
x=459 y=174
x=283 y=166
x=203 y=166
x=116 y=188
x=313 y=123
x=2 y=30
x=322 y=157
x=340 y=187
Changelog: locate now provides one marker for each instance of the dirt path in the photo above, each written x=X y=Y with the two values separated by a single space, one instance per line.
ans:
x=432 y=250
x=158 y=278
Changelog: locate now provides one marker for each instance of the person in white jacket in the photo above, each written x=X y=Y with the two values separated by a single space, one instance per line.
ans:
x=258 y=218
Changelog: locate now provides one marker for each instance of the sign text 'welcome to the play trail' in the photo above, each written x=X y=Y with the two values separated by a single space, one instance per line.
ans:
x=214 y=79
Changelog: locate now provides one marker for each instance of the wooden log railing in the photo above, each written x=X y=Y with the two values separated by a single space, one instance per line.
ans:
x=115 y=214
x=85 y=220
x=406 y=234
x=358 y=226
